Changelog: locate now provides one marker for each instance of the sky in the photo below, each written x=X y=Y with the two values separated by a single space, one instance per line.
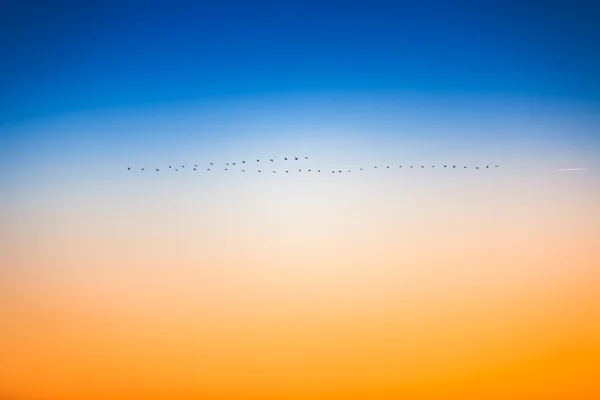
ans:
x=424 y=283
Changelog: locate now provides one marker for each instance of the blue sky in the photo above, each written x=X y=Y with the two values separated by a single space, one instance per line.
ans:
x=72 y=56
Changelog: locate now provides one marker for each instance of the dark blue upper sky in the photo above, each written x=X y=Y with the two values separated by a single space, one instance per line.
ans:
x=68 y=56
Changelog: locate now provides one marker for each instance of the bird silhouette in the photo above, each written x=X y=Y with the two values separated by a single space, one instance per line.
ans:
x=287 y=172
x=340 y=172
x=274 y=171
x=306 y=158
x=257 y=160
x=285 y=158
x=296 y=158
x=299 y=170
x=319 y=170
x=243 y=162
x=128 y=168
x=388 y=166
x=422 y=166
x=170 y=166
x=195 y=165
x=259 y=170
x=412 y=166
x=176 y=169
x=271 y=160
x=375 y=166
x=444 y=166
x=194 y=168
x=454 y=166
x=225 y=169
x=208 y=169
x=487 y=166
x=309 y=170
x=142 y=169
x=476 y=167
x=226 y=163
x=243 y=171
x=157 y=169
x=495 y=166
x=183 y=166
x=212 y=164
x=233 y=163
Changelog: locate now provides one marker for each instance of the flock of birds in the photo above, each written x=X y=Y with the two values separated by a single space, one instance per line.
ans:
x=230 y=166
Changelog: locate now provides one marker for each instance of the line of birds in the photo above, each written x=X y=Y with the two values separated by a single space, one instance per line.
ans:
x=195 y=167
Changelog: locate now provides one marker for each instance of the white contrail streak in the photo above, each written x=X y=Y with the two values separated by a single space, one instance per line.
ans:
x=572 y=169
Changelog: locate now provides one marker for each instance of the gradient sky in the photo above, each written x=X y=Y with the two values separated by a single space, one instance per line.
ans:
x=424 y=284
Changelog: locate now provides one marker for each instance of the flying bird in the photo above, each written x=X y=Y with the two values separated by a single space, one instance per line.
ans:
x=296 y=158
x=128 y=168
x=271 y=160
x=142 y=169
x=210 y=164
x=157 y=169
x=285 y=158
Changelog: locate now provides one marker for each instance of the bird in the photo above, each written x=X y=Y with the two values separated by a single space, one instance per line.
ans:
x=226 y=163
x=422 y=166
x=333 y=172
x=128 y=168
x=487 y=166
x=306 y=158
x=208 y=169
x=495 y=166
x=412 y=166
x=388 y=166
x=287 y=172
x=299 y=170
x=257 y=160
x=157 y=169
x=243 y=171
x=233 y=163
x=433 y=166
x=465 y=166
x=399 y=166
x=376 y=166
x=476 y=167
x=309 y=170
x=285 y=158
x=243 y=162
x=340 y=172
x=348 y=170
x=183 y=166
x=271 y=160
x=170 y=166
x=142 y=169
x=194 y=168
x=454 y=166
x=274 y=171
x=195 y=165
x=225 y=169
x=176 y=169
x=259 y=170
x=210 y=164
x=318 y=170
x=296 y=158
